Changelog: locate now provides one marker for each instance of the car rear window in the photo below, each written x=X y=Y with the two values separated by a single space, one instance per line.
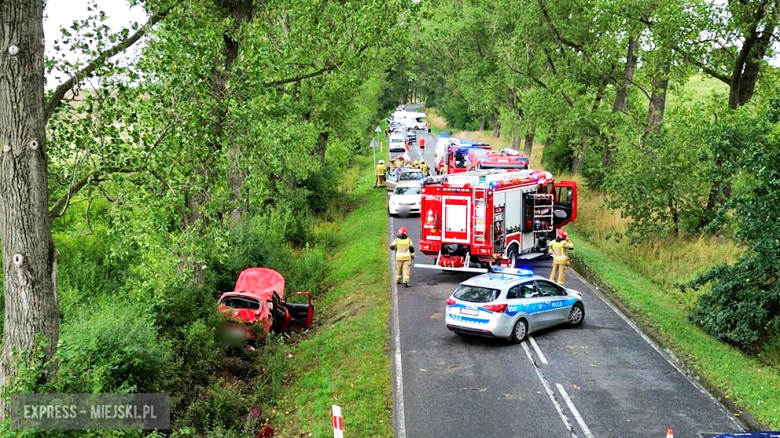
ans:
x=411 y=176
x=407 y=191
x=396 y=140
x=241 y=303
x=475 y=294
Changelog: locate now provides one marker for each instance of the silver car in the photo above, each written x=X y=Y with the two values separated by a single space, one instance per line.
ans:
x=511 y=303
x=405 y=175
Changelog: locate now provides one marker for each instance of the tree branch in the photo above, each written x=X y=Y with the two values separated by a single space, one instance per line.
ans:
x=329 y=66
x=88 y=69
x=558 y=35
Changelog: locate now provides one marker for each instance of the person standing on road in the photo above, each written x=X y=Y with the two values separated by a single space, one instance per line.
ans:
x=422 y=142
x=404 y=254
x=559 y=249
x=380 y=174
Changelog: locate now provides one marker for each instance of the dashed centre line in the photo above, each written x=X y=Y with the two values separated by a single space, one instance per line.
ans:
x=574 y=411
x=538 y=350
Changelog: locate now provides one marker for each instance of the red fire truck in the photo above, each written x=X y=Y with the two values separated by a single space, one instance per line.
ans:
x=458 y=156
x=498 y=160
x=474 y=220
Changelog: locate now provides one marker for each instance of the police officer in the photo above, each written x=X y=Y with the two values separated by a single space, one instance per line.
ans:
x=380 y=174
x=559 y=249
x=404 y=254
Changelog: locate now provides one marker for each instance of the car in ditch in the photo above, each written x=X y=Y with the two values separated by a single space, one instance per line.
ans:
x=258 y=305
x=511 y=303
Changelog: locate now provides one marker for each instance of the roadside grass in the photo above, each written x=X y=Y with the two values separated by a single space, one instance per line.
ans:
x=740 y=378
x=344 y=360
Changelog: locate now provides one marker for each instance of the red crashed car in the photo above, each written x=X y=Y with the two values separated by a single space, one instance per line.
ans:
x=258 y=306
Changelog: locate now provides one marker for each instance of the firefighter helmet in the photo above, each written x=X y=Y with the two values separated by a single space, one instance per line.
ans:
x=562 y=235
x=381 y=161
x=403 y=230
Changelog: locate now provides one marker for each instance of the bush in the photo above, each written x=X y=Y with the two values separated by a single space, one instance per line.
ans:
x=113 y=347
x=559 y=156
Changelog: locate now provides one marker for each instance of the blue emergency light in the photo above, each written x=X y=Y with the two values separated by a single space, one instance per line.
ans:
x=514 y=271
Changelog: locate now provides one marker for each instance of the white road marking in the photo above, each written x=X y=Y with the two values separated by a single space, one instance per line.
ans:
x=550 y=393
x=667 y=355
x=538 y=350
x=574 y=411
x=399 y=380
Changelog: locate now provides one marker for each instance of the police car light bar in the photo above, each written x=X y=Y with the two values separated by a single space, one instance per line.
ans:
x=513 y=271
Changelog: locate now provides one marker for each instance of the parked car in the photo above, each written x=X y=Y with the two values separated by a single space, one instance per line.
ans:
x=406 y=174
x=511 y=303
x=412 y=136
x=397 y=143
x=258 y=305
x=405 y=199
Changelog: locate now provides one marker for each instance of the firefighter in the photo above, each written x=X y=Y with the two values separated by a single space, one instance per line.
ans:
x=415 y=164
x=380 y=174
x=559 y=249
x=404 y=254
x=399 y=161
x=424 y=167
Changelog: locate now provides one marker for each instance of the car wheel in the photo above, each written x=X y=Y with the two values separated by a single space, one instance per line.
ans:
x=512 y=256
x=519 y=331
x=576 y=314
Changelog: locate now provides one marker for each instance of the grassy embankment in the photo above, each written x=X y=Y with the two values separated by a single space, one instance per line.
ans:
x=344 y=360
x=643 y=279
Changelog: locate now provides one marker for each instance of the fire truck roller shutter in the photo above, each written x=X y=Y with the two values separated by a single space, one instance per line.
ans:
x=513 y=211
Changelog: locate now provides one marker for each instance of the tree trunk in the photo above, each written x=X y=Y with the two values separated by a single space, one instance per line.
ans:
x=31 y=306
x=529 y=141
x=748 y=62
x=240 y=11
x=655 y=116
x=481 y=124
x=621 y=96
x=516 y=142
x=495 y=125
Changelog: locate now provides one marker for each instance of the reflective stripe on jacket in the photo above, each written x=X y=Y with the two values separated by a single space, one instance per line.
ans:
x=559 y=250
x=403 y=249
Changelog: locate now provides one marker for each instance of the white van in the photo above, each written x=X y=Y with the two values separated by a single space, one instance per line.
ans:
x=397 y=143
x=442 y=144
x=412 y=120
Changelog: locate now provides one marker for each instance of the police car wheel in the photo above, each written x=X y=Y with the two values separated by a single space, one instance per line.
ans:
x=519 y=331
x=577 y=314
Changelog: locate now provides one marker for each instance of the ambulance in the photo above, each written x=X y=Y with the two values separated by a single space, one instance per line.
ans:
x=475 y=220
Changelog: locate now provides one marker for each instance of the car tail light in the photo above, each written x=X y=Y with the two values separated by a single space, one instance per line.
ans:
x=498 y=308
x=450 y=301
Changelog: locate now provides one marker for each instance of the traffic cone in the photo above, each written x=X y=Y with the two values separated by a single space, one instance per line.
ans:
x=669 y=433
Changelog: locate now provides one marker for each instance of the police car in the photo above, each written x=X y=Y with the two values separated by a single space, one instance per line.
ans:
x=511 y=303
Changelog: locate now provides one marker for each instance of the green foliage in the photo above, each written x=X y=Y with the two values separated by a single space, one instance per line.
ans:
x=558 y=157
x=744 y=302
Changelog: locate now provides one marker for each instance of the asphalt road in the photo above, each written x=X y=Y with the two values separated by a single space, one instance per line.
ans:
x=602 y=379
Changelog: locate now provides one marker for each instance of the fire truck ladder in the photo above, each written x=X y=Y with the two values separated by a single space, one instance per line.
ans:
x=543 y=213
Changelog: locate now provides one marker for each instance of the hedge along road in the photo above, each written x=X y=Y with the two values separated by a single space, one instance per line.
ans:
x=602 y=379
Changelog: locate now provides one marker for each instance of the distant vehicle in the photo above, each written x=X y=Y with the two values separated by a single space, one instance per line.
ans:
x=443 y=144
x=258 y=305
x=412 y=136
x=411 y=119
x=511 y=303
x=500 y=160
x=509 y=151
x=398 y=143
x=405 y=194
x=407 y=174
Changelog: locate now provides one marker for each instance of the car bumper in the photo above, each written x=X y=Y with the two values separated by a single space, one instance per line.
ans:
x=499 y=327
x=413 y=209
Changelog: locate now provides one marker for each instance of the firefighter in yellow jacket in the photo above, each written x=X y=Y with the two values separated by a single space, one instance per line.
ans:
x=380 y=174
x=404 y=253
x=559 y=249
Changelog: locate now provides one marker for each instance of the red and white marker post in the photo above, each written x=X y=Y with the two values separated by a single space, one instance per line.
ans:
x=338 y=422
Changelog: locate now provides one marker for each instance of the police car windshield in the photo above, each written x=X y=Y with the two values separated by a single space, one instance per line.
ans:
x=475 y=294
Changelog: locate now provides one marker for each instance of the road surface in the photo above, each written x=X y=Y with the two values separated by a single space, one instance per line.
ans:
x=602 y=379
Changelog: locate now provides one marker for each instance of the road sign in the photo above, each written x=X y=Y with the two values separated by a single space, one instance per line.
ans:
x=378 y=129
x=374 y=143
